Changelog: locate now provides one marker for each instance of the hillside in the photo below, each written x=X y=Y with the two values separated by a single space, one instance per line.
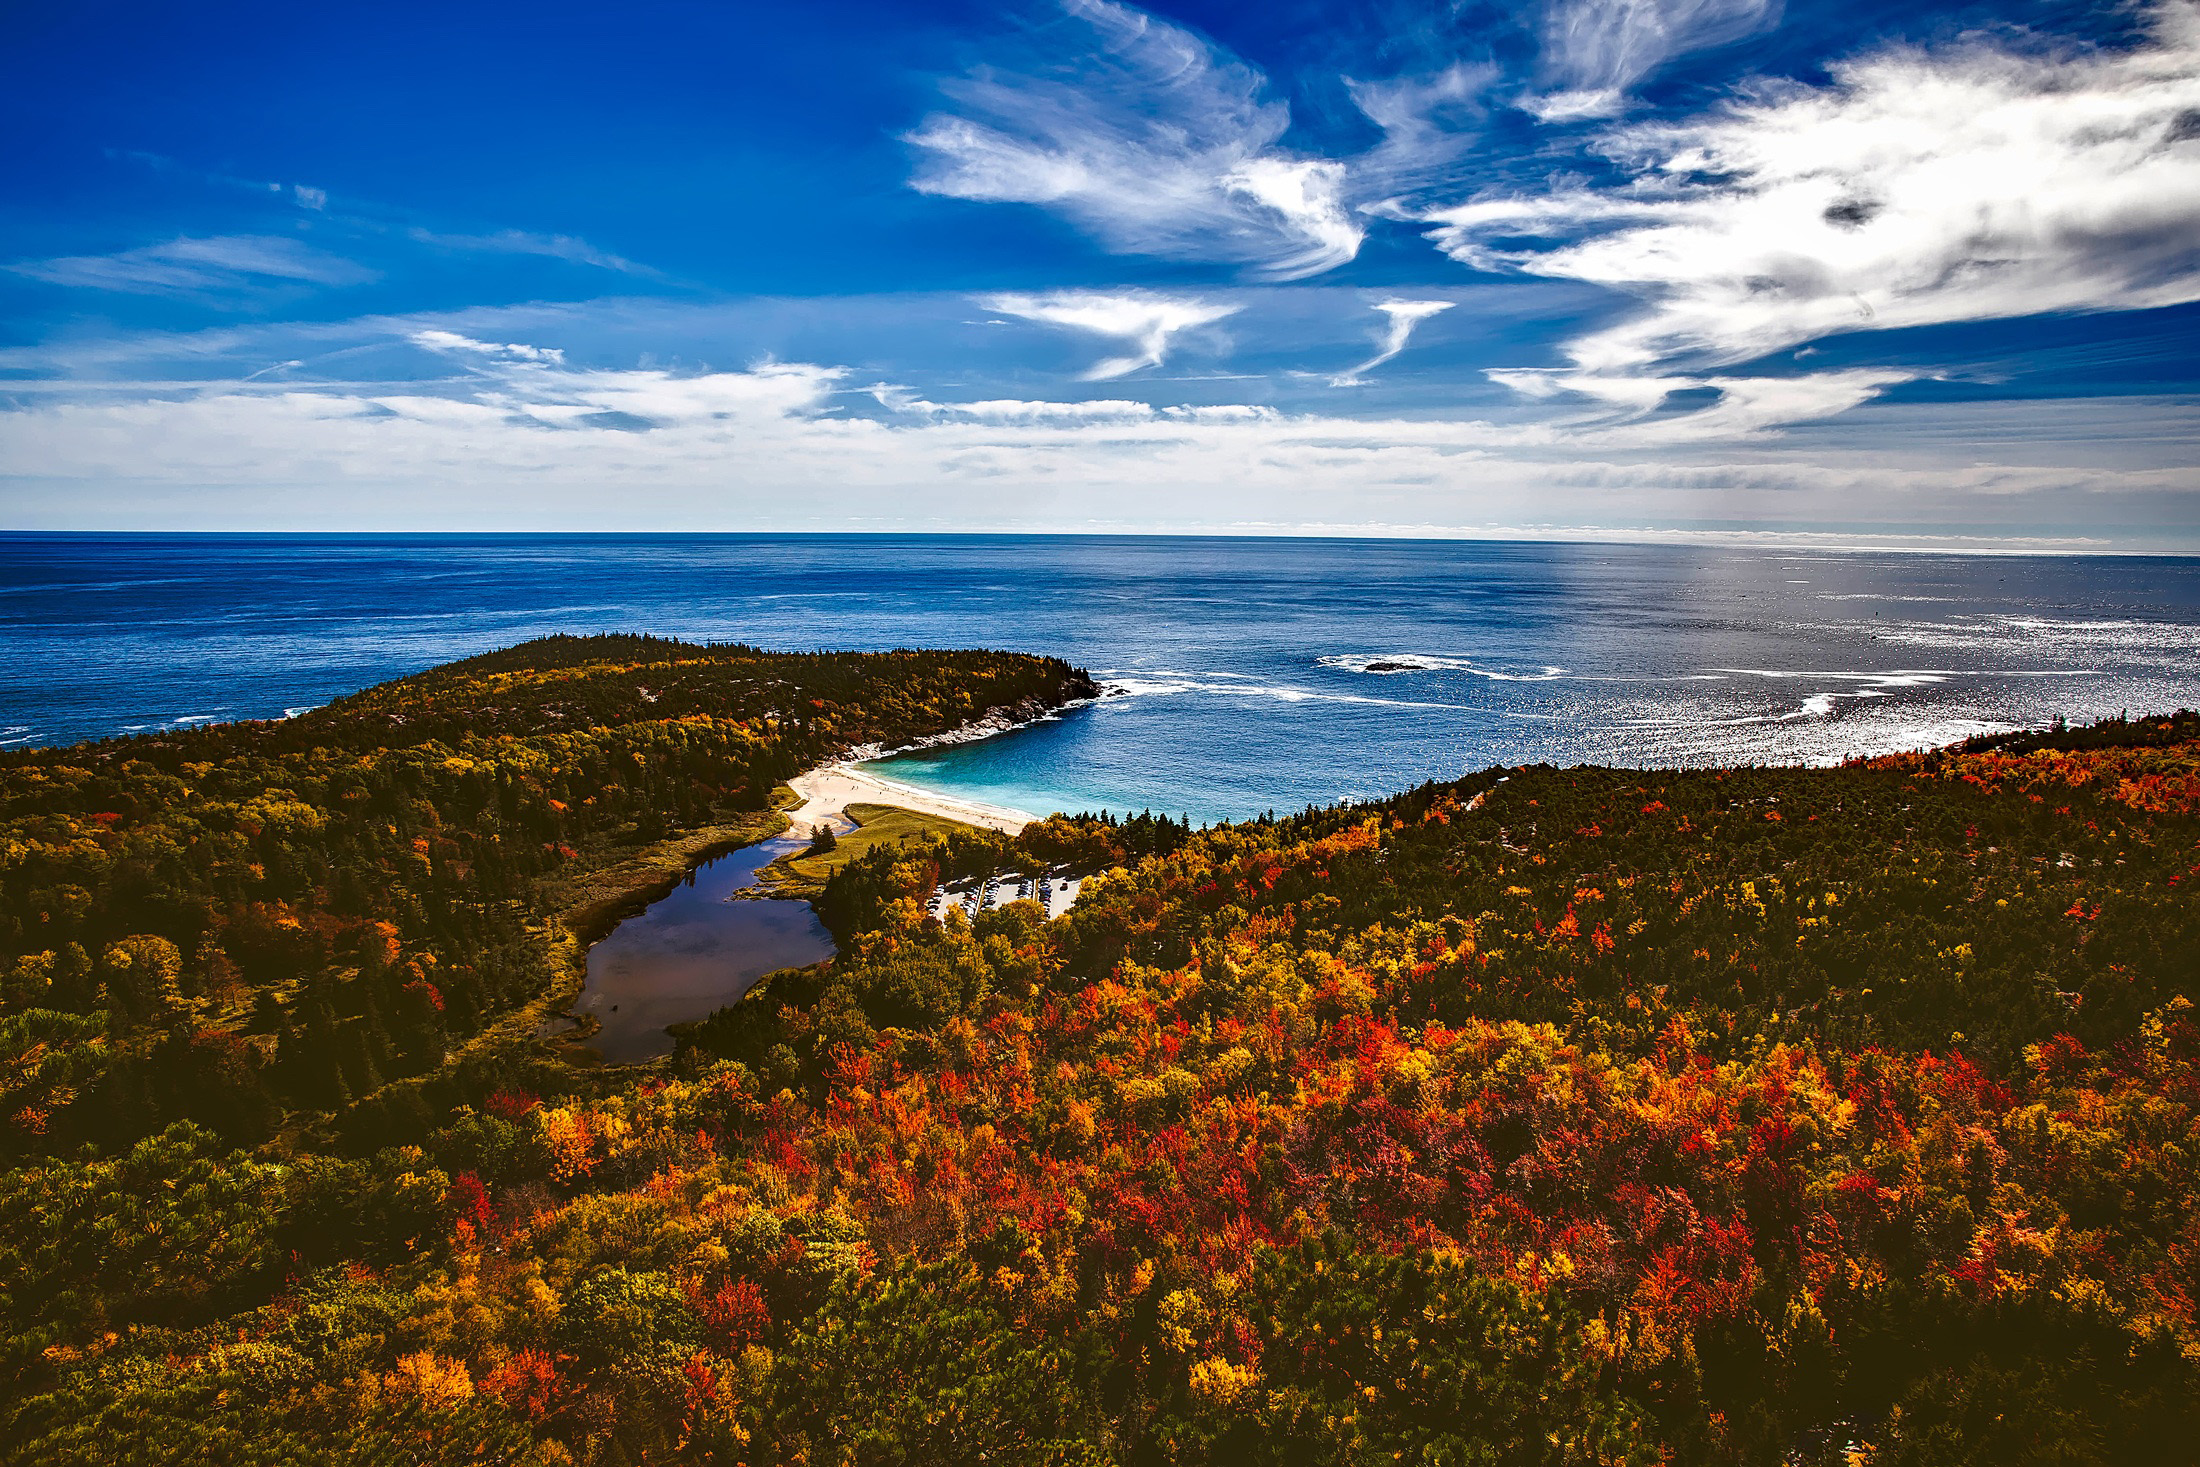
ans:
x=1551 y=1115
x=255 y=926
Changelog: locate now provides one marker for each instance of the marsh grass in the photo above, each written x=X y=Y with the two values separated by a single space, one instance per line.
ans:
x=804 y=873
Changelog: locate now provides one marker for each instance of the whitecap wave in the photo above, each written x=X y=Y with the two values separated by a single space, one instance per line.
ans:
x=1117 y=686
x=1879 y=596
x=1786 y=740
x=1899 y=678
x=1386 y=664
x=1822 y=704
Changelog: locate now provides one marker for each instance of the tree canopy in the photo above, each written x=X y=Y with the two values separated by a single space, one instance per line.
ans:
x=1587 y=1115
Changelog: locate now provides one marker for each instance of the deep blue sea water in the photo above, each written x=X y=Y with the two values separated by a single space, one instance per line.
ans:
x=1252 y=674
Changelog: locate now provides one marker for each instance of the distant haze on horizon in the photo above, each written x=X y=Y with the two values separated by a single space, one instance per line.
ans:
x=1923 y=276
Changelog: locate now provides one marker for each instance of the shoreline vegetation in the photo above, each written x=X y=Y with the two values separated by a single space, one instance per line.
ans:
x=587 y=909
x=1839 y=1117
x=279 y=926
x=821 y=798
x=805 y=874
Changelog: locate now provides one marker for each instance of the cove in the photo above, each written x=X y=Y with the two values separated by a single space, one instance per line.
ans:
x=692 y=952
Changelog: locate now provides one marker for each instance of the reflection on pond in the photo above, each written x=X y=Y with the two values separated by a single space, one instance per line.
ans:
x=693 y=952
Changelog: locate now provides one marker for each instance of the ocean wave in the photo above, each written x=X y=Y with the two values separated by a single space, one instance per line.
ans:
x=1158 y=685
x=2041 y=635
x=1937 y=637
x=1906 y=677
x=1880 y=596
x=2052 y=624
x=1390 y=663
x=2122 y=635
x=1822 y=704
x=1784 y=740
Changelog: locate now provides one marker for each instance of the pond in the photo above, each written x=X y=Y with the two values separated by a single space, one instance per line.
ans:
x=694 y=951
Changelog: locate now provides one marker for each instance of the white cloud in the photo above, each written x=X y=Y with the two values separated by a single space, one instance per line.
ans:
x=1015 y=410
x=1634 y=394
x=1597 y=49
x=452 y=341
x=1752 y=405
x=1917 y=188
x=1404 y=316
x=1153 y=140
x=1229 y=412
x=1005 y=410
x=1150 y=321
x=1426 y=123
x=715 y=402
x=544 y=445
x=1308 y=197
x=531 y=385
x=1744 y=407
x=212 y=266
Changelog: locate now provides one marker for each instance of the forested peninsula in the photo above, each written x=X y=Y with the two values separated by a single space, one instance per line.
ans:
x=1820 y=1116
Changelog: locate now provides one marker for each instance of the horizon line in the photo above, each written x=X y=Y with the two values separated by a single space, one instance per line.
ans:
x=1881 y=541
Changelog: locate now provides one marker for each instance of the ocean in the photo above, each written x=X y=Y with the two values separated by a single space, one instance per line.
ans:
x=1244 y=674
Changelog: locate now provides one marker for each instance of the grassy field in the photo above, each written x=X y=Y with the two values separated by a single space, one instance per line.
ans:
x=805 y=873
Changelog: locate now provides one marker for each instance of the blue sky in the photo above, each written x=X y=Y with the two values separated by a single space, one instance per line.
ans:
x=1893 y=273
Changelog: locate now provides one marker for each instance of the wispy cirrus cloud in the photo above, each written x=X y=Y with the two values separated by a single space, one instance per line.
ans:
x=524 y=242
x=1149 y=321
x=375 y=227
x=533 y=387
x=1916 y=188
x=303 y=195
x=1153 y=140
x=451 y=342
x=1428 y=121
x=545 y=444
x=1742 y=407
x=1403 y=316
x=217 y=266
x=1596 y=49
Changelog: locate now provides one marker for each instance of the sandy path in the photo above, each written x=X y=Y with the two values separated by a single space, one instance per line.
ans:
x=830 y=788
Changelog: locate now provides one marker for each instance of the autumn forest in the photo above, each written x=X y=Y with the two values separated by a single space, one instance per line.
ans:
x=1585 y=1115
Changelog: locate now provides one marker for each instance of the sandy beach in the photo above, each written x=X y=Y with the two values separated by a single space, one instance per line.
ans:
x=829 y=789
